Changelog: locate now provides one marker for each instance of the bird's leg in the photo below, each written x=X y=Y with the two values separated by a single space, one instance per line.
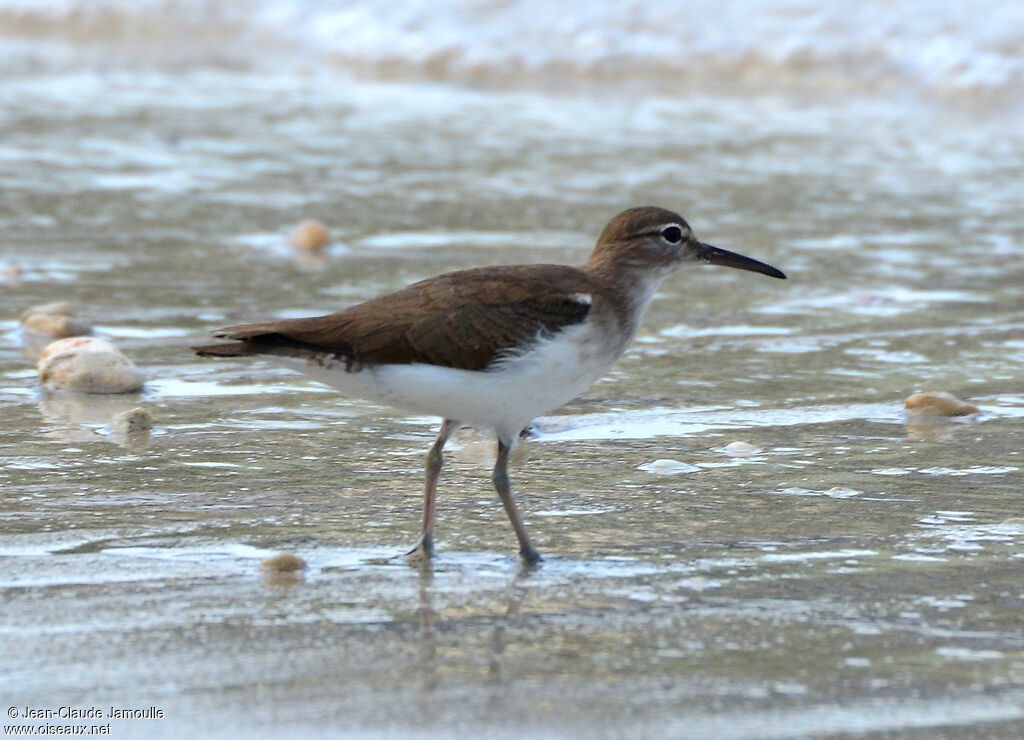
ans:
x=425 y=544
x=501 y=485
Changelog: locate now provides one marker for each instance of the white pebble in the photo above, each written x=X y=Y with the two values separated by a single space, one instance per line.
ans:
x=87 y=365
x=667 y=467
x=740 y=449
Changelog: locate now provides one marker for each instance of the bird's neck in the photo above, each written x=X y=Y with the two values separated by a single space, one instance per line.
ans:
x=626 y=290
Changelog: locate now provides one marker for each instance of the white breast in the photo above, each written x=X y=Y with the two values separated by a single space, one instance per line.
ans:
x=506 y=398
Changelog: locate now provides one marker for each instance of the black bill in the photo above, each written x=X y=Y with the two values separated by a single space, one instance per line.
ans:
x=715 y=256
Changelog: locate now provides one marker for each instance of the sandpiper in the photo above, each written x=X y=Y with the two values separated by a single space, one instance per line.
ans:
x=491 y=347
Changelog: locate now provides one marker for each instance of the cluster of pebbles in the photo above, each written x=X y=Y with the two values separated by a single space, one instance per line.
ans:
x=76 y=367
x=73 y=361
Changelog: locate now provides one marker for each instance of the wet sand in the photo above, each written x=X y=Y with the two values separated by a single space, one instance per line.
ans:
x=852 y=572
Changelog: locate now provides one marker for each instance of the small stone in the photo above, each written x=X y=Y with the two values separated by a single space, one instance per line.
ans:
x=56 y=326
x=58 y=308
x=311 y=235
x=55 y=320
x=136 y=421
x=63 y=345
x=284 y=562
x=938 y=403
x=87 y=365
x=740 y=449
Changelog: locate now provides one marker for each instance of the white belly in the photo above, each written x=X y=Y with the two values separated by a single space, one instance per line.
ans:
x=505 y=399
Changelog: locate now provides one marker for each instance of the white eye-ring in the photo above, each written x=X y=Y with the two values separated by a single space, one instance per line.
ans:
x=672 y=233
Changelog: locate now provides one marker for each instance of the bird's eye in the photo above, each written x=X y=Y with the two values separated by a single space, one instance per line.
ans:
x=672 y=234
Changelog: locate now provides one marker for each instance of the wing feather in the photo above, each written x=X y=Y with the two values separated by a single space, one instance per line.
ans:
x=464 y=320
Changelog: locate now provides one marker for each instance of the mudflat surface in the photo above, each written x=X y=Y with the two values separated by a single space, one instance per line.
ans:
x=846 y=571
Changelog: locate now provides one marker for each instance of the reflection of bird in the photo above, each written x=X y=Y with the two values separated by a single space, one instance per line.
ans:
x=491 y=347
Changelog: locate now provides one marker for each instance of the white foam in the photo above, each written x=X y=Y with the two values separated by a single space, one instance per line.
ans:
x=665 y=466
x=682 y=422
x=796 y=557
x=177 y=387
x=808 y=45
x=961 y=653
x=574 y=512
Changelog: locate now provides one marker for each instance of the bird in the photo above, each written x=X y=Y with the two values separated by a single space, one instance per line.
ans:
x=490 y=347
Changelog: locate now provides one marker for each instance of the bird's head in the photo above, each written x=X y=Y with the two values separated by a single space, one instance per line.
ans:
x=658 y=241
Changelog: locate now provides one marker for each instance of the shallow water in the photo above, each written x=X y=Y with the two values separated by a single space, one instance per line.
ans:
x=846 y=571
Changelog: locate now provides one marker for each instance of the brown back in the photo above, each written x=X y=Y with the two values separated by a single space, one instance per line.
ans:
x=464 y=319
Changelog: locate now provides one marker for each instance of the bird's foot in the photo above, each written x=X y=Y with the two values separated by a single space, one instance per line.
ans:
x=423 y=552
x=530 y=557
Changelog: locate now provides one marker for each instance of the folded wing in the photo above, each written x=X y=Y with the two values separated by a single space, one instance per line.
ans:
x=465 y=320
